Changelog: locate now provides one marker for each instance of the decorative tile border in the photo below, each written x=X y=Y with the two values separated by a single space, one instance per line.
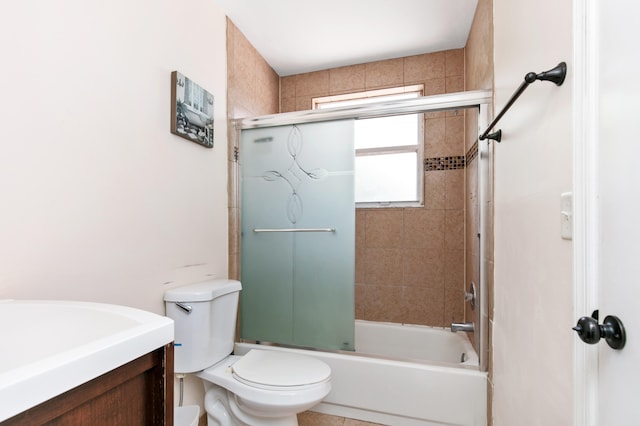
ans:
x=451 y=163
x=472 y=153
x=444 y=163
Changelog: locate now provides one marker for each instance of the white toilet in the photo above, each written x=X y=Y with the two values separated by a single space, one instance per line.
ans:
x=260 y=388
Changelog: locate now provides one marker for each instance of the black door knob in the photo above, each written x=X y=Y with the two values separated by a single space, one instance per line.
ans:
x=611 y=329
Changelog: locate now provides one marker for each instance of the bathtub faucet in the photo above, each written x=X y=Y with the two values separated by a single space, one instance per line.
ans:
x=462 y=326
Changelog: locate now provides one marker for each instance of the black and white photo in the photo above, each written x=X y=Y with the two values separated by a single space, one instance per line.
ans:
x=191 y=110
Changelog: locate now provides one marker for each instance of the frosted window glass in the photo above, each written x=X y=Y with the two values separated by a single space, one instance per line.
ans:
x=393 y=131
x=388 y=177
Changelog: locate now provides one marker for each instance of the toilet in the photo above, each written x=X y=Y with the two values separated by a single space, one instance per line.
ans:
x=259 y=388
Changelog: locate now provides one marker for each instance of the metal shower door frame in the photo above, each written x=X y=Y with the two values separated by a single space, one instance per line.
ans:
x=480 y=99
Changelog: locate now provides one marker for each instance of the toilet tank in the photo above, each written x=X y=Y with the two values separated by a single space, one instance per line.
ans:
x=204 y=314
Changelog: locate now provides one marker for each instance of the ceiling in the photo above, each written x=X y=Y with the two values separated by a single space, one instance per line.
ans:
x=296 y=36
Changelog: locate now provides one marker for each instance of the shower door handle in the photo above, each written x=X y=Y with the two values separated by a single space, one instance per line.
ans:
x=611 y=329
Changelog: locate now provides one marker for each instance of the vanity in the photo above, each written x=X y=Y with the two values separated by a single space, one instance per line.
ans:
x=78 y=363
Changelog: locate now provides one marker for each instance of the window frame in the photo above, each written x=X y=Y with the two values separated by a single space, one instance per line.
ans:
x=418 y=148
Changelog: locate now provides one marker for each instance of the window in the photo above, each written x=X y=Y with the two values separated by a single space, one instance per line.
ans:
x=388 y=163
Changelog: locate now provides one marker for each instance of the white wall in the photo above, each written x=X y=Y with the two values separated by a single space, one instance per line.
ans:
x=532 y=337
x=99 y=201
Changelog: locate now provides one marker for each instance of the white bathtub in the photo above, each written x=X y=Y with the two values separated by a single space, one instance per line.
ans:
x=403 y=375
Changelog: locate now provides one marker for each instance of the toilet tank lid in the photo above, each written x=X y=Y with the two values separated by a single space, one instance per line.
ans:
x=202 y=291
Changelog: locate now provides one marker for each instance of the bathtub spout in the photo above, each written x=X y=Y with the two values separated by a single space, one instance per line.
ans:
x=462 y=326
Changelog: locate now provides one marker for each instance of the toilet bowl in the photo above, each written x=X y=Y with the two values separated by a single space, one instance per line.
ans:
x=263 y=388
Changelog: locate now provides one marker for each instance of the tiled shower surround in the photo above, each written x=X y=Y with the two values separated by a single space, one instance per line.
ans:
x=410 y=262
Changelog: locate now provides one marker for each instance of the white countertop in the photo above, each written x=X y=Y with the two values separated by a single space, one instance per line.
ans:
x=50 y=347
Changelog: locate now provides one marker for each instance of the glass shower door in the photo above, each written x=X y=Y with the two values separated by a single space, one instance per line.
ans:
x=298 y=235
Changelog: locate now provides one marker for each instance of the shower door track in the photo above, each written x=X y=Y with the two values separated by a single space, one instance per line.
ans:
x=449 y=101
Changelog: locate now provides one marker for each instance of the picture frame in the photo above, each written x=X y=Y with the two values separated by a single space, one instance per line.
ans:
x=191 y=110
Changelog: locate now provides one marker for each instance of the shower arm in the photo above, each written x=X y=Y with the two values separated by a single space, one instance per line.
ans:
x=555 y=75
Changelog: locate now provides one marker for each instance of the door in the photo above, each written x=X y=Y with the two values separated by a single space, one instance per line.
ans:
x=298 y=235
x=619 y=206
x=613 y=210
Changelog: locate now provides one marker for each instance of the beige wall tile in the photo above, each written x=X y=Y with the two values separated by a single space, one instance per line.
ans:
x=361 y=218
x=234 y=263
x=288 y=87
x=360 y=247
x=479 y=49
x=383 y=266
x=360 y=264
x=384 y=303
x=434 y=137
x=454 y=189
x=239 y=102
x=435 y=86
x=423 y=267
x=347 y=79
x=454 y=134
x=424 y=228
x=303 y=103
x=312 y=84
x=381 y=74
x=267 y=87
x=454 y=229
x=384 y=228
x=424 y=67
x=424 y=306
x=243 y=63
x=454 y=62
x=454 y=84
x=471 y=132
x=434 y=189
x=287 y=104
x=454 y=269
x=453 y=305
x=359 y=295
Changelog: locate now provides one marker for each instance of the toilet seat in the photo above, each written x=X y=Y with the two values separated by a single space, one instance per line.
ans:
x=271 y=370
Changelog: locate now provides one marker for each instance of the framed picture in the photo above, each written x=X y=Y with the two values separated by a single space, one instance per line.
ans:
x=191 y=110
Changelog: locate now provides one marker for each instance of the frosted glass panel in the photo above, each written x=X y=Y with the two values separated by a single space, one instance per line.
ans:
x=298 y=287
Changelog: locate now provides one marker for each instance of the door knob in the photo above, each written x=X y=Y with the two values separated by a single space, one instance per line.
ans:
x=611 y=329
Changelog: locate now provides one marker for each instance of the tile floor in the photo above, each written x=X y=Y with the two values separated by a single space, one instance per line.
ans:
x=310 y=418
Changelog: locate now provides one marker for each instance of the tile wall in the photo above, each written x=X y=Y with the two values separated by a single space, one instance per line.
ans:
x=409 y=261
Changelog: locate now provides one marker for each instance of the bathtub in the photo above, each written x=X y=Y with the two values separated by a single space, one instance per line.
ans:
x=402 y=375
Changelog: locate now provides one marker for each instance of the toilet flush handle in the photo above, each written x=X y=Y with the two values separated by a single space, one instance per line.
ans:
x=184 y=307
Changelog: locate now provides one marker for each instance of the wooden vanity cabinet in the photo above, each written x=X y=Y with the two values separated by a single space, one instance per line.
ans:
x=137 y=393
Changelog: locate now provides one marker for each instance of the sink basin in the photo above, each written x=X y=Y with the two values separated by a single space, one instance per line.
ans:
x=50 y=347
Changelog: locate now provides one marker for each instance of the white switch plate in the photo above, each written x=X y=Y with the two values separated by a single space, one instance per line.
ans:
x=566 y=215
